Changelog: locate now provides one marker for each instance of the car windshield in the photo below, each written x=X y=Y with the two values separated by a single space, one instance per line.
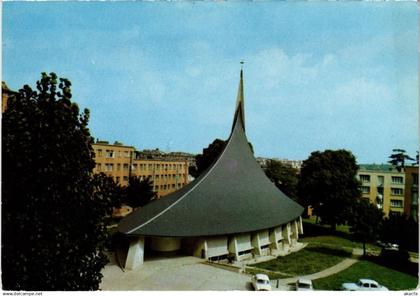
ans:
x=264 y=282
x=359 y=283
x=305 y=286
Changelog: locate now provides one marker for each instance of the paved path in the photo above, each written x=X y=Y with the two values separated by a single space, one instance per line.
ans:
x=346 y=263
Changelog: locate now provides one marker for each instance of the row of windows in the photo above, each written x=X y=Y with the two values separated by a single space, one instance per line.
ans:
x=397 y=191
x=112 y=153
x=158 y=167
x=164 y=177
x=394 y=191
x=394 y=179
x=156 y=187
x=396 y=203
x=144 y=167
x=109 y=167
x=167 y=186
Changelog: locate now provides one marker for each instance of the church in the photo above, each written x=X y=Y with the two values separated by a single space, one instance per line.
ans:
x=231 y=209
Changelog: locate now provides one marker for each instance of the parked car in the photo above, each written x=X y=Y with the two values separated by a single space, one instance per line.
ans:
x=364 y=285
x=261 y=282
x=304 y=285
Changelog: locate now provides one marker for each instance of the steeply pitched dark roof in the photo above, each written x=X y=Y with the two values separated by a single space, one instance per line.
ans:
x=232 y=196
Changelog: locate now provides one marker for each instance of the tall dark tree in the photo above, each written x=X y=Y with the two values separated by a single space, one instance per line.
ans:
x=402 y=230
x=284 y=176
x=209 y=155
x=328 y=183
x=398 y=158
x=108 y=190
x=139 y=192
x=365 y=221
x=52 y=213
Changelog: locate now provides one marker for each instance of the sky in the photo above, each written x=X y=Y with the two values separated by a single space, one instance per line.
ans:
x=317 y=75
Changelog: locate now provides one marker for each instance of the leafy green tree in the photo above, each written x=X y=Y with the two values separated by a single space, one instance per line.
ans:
x=284 y=176
x=398 y=158
x=328 y=183
x=365 y=221
x=52 y=212
x=139 y=192
x=209 y=155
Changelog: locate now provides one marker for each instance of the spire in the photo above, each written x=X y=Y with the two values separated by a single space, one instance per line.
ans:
x=239 y=111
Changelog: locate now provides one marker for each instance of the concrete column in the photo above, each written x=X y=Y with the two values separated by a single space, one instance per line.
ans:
x=274 y=245
x=135 y=255
x=295 y=230
x=233 y=247
x=300 y=225
x=206 y=250
x=286 y=233
x=255 y=241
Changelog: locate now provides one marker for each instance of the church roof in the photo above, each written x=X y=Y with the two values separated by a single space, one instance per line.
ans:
x=232 y=196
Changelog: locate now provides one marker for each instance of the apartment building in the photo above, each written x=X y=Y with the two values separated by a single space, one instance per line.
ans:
x=120 y=162
x=411 y=191
x=296 y=164
x=6 y=93
x=384 y=187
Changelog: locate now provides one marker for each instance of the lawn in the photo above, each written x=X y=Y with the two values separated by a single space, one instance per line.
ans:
x=312 y=259
x=392 y=279
x=317 y=233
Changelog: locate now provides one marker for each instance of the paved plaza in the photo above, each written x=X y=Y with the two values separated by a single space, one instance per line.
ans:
x=174 y=274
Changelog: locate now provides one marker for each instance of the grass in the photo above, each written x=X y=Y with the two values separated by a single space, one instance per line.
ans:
x=341 y=236
x=327 y=248
x=339 y=228
x=312 y=259
x=390 y=278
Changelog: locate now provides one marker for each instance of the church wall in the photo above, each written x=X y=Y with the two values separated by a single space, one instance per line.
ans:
x=277 y=241
x=217 y=246
x=244 y=242
x=165 y=244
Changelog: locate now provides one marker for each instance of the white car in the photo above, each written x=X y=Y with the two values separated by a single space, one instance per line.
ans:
x=304 y=285
x=364 y=285
x=261 y=282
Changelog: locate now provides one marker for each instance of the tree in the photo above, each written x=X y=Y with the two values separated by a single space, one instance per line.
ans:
x=209 y=155
x=402 y=230
x=139 y=192
x=328 y=183
x=398 y=158
x=52 y=212
x=108 y=190
x=365 y=221
x=284 y=176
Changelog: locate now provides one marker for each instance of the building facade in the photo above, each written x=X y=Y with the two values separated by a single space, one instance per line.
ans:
x=411 y=191
x=6 y=93
x=296 y=164
x=122 y=162
x=385 y=188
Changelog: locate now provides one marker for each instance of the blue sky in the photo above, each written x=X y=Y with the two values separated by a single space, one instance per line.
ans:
x=318 y=75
